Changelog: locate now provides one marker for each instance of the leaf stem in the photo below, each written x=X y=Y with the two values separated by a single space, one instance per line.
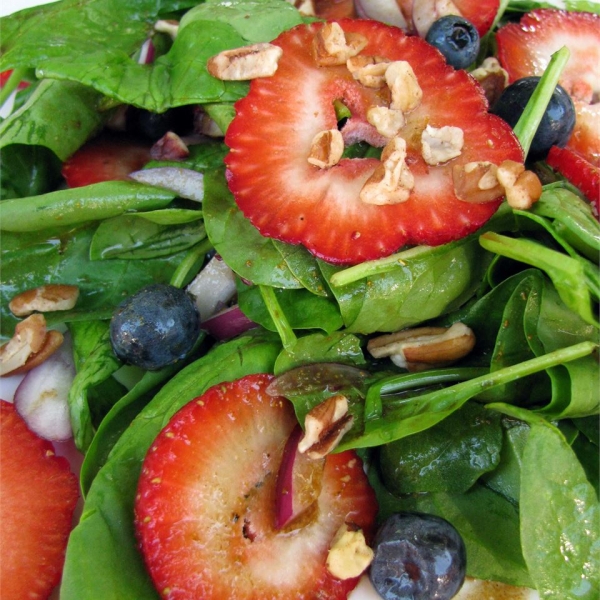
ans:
x=188 y=262
x=284 y=329
x=528 y=123
x=11 y=84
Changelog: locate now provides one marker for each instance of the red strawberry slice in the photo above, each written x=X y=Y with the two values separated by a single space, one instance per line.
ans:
x=105 y=158
x=5 y=76
x=37 y=500
x=579 y=171
x=205 y=512
x=289 y=199
x=525 y=48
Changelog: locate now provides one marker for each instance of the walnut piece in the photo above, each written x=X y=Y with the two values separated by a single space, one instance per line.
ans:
x=492 y=78
x=522 y=188
x=404 y=86
x=349 y=556
x=424 y=347
x=392 y=180
x=387 y=121
x=368 y=70
x=439 y=145
x=324 y=427
x=46 y=298
x=326 y=149
x=333 y=46
x=248 y=62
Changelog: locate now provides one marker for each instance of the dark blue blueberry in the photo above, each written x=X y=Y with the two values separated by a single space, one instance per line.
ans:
x=418 y=557
x=456 y=38
x=155 y=327
x=557 y=123
x=154 y=125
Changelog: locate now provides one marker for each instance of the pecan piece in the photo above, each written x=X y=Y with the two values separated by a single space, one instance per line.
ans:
x=46 y=298
x=324 y=427
x=248 y=62
x=476 y=182
x=424 y=347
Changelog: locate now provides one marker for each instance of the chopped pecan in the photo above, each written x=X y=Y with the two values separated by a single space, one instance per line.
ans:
x=476 y=182
x=349 y=554
x=326 y=149
x=333 y=46
x=392 y=181
x=324 y=427
x=368 y=70
x=404 y=86
x=522 y=188
x=424 y=347
x=52 y=342
x=248 y=62
x=387 y=121
x=439 y=145
x=46 y=298
x=28 y=339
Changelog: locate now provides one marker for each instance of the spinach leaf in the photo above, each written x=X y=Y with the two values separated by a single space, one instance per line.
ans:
x=62 y=256
x=448 y=457
x=560 y=513
x=102 y=559
x=131 y=237
x=95 y=362
x=435 y=282
x=302 y=309
x=59 y=115
x=27 y=171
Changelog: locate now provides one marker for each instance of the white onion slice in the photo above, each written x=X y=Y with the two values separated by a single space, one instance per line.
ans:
x=228 y=323
x=386 y=11
x=42 y=396
x=213 y=288
x=184 y=182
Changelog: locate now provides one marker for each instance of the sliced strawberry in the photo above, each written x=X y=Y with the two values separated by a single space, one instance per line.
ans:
x=525 y=48
x=205 y=513
x=579 y=171
x=289 y=199
x=39 y=494
x=105 y=158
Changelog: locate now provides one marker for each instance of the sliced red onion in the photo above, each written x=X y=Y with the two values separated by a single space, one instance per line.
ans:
x=213 y=288
x=386 y=11
x=184 y=182
x=298 y=485
x=228 y=323
x=42 y=396
x=146 y=53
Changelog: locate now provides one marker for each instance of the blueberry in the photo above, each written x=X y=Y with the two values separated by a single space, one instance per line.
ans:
x=557 y=123
x=155 y=327
x=418 y=557
x=456 y=38
x=154 y=125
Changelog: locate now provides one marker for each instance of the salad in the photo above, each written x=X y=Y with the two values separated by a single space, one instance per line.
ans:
x=292 y=284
